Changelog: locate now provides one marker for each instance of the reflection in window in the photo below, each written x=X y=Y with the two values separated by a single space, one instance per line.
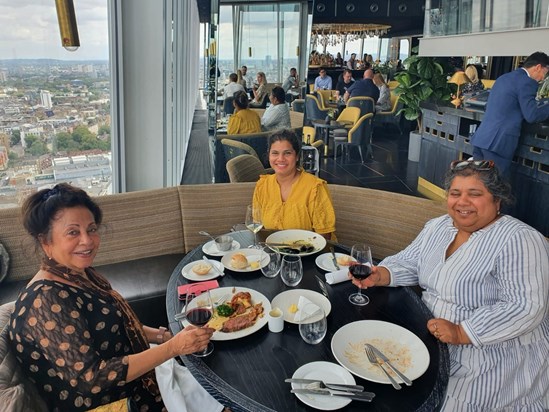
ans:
x=54 y=104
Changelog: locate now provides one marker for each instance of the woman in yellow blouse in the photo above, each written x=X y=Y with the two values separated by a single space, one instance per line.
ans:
x=293 y=198
x=243 y=120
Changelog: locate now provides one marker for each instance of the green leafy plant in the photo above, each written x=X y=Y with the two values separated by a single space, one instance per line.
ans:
x=424 y=79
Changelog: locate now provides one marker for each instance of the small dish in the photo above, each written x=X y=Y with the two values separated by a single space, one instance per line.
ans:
x=188 y=273
x=286 y=299
x=210 y=249
x=253 y=255
x=325 y=261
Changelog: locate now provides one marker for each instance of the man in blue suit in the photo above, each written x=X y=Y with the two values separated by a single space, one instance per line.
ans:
x=512 y=100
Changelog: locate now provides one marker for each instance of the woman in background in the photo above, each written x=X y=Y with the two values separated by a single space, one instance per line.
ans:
x=260 y=90
x=475 y=85
x=384 y=101
x=243 y=120
x=292 y=198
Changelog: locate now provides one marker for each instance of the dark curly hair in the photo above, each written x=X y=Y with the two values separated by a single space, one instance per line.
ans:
x=41 y=208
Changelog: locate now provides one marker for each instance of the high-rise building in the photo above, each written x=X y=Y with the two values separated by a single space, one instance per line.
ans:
x=45 y=99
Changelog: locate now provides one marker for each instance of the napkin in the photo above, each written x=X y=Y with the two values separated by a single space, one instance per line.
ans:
x=337 y=277
x=305 y=309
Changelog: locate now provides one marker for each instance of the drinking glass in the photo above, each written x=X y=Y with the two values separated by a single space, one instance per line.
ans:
x=271 y=269
x=360 y=270
x=291 y=271
x=253 y=221
x=198 y=312
x=313 y=324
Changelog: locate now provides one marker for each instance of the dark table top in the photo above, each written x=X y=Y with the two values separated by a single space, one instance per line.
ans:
x=250 y=371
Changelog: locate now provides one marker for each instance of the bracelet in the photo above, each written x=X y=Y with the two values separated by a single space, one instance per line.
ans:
x=160 y=337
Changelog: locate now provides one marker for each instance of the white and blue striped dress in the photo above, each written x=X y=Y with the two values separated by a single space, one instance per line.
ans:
x=496 y=286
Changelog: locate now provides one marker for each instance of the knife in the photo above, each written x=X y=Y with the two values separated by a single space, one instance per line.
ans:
x=365 y=396
x=336 y=386
x=334 y=259
x=384 y=358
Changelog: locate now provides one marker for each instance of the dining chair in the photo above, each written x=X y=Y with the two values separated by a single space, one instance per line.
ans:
x=234 y=148
x=309 y=137
x=313 y=110
x=392 y=84
x=393 y=116
x=360 y=134
x=365 y=103
x=324 y=96
x=245 y=168
x=349 y=116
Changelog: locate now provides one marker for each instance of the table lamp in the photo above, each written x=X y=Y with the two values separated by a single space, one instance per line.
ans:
x=458 y=78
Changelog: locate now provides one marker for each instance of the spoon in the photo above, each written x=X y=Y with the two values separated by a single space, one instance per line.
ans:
x=206 y=234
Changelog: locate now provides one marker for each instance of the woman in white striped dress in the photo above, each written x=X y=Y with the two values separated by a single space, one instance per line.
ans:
x=485 y=277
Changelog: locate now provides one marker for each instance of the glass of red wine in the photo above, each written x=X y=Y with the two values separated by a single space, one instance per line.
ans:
x=361 y=269
x=198 y=312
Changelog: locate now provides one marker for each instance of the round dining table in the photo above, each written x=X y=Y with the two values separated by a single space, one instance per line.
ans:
x=248 y=373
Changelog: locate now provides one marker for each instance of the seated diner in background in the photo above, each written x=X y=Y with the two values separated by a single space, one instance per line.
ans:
x=259 y=89
x=346 y=80
x=292 y=198
x=291 y=81
x=76 y=338
x=384 y=101
x=277 y=115
x=364 y=87
x=476 y=85
x=323 y=81
x=485 y=278
x=243 y=120
x=232 y=87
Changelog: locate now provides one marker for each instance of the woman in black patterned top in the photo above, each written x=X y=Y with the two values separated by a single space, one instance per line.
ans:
x=76 y=338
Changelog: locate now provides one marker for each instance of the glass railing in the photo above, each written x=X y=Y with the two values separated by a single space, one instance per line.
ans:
x=454 y=17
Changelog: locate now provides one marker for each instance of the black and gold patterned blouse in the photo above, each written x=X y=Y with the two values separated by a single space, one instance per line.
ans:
x=72 y=344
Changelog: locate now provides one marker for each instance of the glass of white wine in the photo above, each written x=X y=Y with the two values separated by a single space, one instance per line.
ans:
x=254 y=222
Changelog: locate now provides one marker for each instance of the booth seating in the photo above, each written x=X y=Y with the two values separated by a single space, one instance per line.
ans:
x=148 y=232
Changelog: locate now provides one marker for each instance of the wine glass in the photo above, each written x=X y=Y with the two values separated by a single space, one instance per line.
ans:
x=254 y=222
x=291 y=271
x=361 y=269
x=198 y=312
x=313 y=326
x=271 y=269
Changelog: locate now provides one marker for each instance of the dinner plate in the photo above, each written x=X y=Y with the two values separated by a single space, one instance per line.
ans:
x=253 y=255
x=188 y=273
x=326 y=263
x=293 y=235
x=327 y=372
x=211 y=249
x=406 y=351
x=291 y=297
x=257 y=297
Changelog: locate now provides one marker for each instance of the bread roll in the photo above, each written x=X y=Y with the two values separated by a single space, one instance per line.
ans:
x=202 y=269
x=239 y=261
x=344 y=260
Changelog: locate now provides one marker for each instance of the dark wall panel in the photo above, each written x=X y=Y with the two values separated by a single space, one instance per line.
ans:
x=406 y=8
x=365 y=9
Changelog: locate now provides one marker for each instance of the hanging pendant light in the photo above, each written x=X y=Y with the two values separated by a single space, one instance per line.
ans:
x=67 y=24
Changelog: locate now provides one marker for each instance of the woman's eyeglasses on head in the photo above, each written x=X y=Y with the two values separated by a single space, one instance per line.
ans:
x=477 y=164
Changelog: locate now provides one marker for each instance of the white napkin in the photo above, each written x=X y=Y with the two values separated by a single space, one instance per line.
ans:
x=305 y=308
x=337 y=277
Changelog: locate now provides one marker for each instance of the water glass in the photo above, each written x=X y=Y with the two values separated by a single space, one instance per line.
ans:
x=291 y=271
x=313 y=326
x=272 y=269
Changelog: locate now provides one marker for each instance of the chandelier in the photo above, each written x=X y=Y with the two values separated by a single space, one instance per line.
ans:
x=334 y=34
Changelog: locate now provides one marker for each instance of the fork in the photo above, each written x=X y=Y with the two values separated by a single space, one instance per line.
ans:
x=374 y=361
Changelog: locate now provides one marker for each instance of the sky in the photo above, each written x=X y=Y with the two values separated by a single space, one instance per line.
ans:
x=29 y=30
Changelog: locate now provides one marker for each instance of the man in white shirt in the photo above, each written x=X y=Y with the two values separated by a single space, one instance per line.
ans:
x=291 y=80
x=230 y=89
x=248 y=78
x=277 y=115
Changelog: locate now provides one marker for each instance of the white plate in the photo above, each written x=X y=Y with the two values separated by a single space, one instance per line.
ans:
x=348 y=349
x=326 y=263
x=257 y=297
x=210 y=248
x=293 y=235
x=188 y=273
x=327 y=372
x=251 y=254
x=291 y=297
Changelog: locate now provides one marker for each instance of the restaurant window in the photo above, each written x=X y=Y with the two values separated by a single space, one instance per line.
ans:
x=54 y=104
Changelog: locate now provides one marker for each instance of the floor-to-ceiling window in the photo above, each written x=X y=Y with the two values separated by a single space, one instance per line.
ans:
x=55 y=104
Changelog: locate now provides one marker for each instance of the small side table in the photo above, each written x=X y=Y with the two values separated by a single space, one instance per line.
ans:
x=322 y=127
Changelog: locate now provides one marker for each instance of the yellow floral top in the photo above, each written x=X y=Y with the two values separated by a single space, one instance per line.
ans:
x=308 y=207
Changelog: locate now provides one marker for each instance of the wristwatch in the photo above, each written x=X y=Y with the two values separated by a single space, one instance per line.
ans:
x=160 y=337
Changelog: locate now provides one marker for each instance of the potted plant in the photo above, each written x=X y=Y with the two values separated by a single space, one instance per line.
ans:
x=424 y=79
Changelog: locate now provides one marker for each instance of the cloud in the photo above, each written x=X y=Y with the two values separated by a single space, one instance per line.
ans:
x=30 y=30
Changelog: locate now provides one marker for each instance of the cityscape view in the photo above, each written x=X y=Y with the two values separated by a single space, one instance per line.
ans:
x=54 y=126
